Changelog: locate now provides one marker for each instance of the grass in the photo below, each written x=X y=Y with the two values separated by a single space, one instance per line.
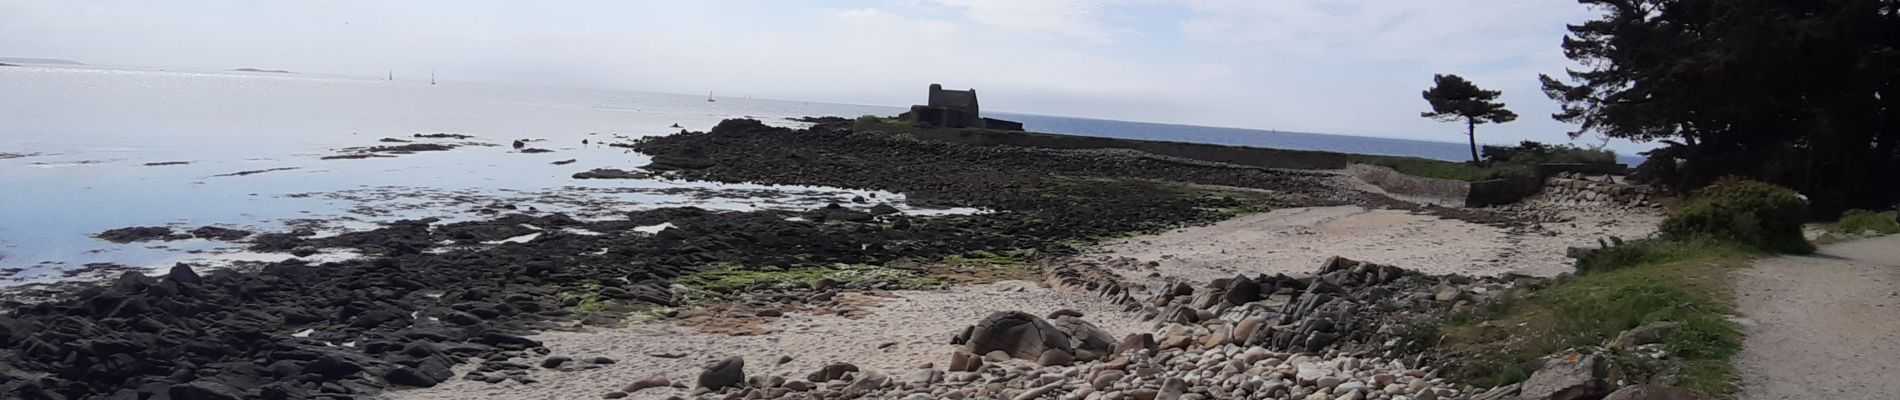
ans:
x=1441 y=169
x=725 y=278
x=1856 y=222
x=1675 y=280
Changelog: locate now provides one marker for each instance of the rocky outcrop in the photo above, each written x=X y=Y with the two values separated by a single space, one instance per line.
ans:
x=1017 y=334
x=1571 y=189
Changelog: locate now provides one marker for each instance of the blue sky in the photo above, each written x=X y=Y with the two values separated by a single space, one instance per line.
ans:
x=1332 y=66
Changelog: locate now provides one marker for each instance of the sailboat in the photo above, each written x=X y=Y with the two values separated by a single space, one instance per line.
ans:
x=432 y=77
x=392 y=74
x=709 y=97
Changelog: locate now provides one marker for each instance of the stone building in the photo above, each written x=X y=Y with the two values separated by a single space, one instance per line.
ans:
x=956 y=109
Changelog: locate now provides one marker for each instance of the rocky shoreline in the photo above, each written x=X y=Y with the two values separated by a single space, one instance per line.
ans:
x=429 y=295
x=433 y=301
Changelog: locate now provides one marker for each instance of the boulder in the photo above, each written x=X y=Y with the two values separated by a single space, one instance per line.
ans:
x=1086 y=338
x=1242 y=290
x=1018 y=334
x=1654 y=392
x=721 y=374
x=1569 y=376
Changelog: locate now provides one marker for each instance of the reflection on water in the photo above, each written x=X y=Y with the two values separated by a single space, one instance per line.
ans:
x=245 y=150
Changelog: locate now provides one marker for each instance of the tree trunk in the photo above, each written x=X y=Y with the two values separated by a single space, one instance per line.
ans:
x=1471 y=132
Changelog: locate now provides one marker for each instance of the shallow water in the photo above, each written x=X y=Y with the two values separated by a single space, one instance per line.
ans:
x=87 y=134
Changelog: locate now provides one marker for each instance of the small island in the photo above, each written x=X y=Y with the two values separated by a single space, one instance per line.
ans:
x=274 y=71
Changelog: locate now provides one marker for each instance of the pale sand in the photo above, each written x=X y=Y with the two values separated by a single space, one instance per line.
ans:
x=1291 y=241
x=1294 y=241
x=920 y=322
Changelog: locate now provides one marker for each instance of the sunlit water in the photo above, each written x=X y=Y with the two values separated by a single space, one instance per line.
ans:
x=88 y=133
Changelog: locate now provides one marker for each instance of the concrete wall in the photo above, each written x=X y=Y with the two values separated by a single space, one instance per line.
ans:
x=1254 y=156
x=1416 y=189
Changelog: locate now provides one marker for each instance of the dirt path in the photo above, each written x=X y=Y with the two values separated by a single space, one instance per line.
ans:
x=1823 y=326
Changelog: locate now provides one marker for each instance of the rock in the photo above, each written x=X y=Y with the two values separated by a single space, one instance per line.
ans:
x=1018 y=334
x=1085 y=337
x=648 y=383
x=964 y=361
x=614 y=395
x=871 y=381
x=206 y=390
x=770 y=313
x=1106 y=379
x=1246 y=328
x=923 y=377
x=1653 y=392
x=1135 y=341
x=1570 y=376
x=1653 y=332
x=1039 y=391
x=1242 y=290
x=1218 y=336
x=831 y=372
x=1058 y=314
x=1054 y=357
x=799 y=385
x=1447 y=293
x=554 y=362
x=1172 y=389
x=721 y=374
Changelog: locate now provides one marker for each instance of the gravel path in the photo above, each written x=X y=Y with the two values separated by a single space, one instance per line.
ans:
x=1823 y=326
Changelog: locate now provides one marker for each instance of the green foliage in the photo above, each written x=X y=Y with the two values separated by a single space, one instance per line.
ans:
x=1797 y=93
x=1645 y=252
x=1533 y=153
x=1651 y=280
x=1455 y=99
x=1858 y=221
x=1756 y=214
x=726 y=278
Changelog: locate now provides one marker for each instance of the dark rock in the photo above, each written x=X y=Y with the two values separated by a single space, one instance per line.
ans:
x=721 y=374
x=831 y=372
x=1017 y=333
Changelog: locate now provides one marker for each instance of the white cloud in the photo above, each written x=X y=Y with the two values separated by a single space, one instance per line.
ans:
x=1080 y=19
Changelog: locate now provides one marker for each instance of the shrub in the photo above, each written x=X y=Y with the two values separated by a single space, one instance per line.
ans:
x=1857 y=221
x=1752 y=213
x=1532 y=153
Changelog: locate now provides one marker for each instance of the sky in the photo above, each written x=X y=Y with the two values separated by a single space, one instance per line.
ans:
x=1351 y=67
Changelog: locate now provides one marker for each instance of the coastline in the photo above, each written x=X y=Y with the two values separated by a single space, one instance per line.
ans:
x=415 y=309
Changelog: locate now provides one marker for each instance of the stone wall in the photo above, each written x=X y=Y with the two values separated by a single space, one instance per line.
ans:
x=1580 y=190
x=1416 y=189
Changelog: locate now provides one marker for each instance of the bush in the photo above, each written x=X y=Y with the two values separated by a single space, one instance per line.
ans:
x=1858 y=221
x=1533 y=153
x=1751 y=213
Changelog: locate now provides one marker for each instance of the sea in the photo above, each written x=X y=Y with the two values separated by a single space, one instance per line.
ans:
x=87 y=149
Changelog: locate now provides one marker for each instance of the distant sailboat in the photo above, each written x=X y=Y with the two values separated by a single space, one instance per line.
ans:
x=392 y=74
x=709 y=97
x=432 y=77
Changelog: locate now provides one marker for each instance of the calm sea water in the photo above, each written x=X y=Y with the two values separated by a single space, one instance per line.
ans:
x=75 y=141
